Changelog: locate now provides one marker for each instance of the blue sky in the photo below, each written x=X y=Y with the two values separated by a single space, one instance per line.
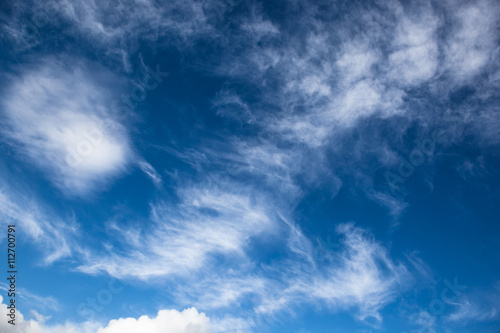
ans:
x=242 y=166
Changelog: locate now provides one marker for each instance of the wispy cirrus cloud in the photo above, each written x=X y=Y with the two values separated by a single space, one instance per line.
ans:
x=360 y=277
x=472 y=45
x=39 y=302
x=150 y=172
x=476 y=306
x=113 y=30
x=48 y=232
x=184 y=238
x=320 y=84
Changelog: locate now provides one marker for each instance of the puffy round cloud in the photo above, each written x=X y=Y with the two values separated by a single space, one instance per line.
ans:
x=167 y=321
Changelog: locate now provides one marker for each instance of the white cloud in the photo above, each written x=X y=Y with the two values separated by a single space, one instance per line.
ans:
x=223 y=292
x=313 y=87
x=150 y=171
x=476 y=305
x=58 y=117
x=415 y=58
x=228 y=324
x=321 y=83
x=167 y=321
x=356 y=61
x=468 y=311
x=425 y=320
x=33 y=300
x=184 y=237
x=473 y=41
x=359 y=277
x=112 y=29
x=38 y=325
x=366 y=277
x=47 y=231
x=228 y=104
x=395 y=206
